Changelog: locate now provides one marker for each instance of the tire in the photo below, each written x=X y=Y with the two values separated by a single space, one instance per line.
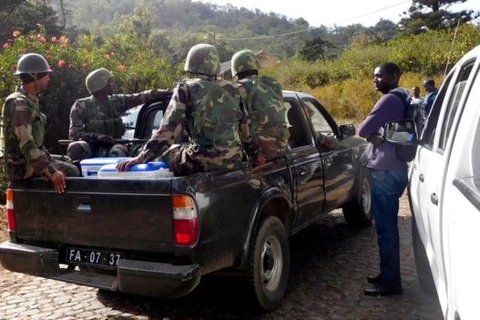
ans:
x=358 y=211
x=424 y=273
x=269 y=265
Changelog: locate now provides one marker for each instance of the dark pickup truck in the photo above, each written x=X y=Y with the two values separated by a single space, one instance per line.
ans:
x=159 y=237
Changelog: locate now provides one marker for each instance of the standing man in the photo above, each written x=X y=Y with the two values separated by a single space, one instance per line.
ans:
x=208 y=110
x=23 y=128
x=264 y=133
x=95 y=121
x=419 y=115
x=429 y=98
x=389 y=177
x=415 y=92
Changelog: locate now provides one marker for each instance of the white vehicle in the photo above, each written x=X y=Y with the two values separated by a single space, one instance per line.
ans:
x=444 y=192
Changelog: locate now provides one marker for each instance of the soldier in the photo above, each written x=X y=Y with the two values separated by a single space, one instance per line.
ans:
x=208 y=110
x=264 y=132
x=23 y=128
x=95 y=121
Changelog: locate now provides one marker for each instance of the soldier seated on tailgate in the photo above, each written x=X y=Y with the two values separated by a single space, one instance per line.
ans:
x=95 y=121
x=264 y=131
x=23 y=128
x=208 y=110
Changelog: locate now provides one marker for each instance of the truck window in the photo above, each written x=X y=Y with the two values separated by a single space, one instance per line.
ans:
x=319 y=124
x=153 y=122
x=457 y=95
x=432 y=120
x=129 y=119
x=296 y=125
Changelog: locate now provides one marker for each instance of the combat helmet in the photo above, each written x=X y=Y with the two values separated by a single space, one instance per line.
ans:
x=97 y=80
x=203 y=58
x=32 y=63
x=244 y=60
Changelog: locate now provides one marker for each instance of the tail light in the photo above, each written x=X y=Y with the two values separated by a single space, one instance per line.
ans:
x=185 y=219
x=12 y=224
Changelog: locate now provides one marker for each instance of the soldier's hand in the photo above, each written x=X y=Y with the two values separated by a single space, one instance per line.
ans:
x=105 y=138
x=331 y=142
x=59 y=181
x=125 y=165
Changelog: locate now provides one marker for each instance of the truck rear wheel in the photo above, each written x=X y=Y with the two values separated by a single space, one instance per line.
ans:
x=358 y=211
x=269 y=264
x=422 y=265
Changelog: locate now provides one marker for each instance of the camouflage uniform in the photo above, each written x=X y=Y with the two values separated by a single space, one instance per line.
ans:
x=23 y=131
x=91 y=118
x=264 y=132
x=208 y=110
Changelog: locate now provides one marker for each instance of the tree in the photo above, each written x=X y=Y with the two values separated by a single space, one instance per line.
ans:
x=25 y=15
x=432 y=15
x=314 y=50
x=383 y=31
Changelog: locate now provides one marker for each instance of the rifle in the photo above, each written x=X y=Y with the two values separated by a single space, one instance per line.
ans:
x=65 y=142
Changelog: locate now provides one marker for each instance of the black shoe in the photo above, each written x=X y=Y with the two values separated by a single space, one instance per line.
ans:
x=375 y=279
x=384 y=289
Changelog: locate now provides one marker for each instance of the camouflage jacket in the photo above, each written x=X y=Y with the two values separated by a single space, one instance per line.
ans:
x=23 y=131
x=265 y=128
x=90 y=116
x=208 y=110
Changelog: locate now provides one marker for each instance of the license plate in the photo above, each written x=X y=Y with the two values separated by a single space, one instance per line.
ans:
x=93 y=257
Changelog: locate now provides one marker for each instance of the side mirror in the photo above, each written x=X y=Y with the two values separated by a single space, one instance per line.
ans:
x=401 y=132
x=347 y=130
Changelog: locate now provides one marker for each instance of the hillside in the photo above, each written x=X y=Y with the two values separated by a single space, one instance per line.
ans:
x=174 y=23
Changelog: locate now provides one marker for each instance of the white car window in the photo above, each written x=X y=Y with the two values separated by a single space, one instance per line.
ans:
x=457 y=96
x=430 y=129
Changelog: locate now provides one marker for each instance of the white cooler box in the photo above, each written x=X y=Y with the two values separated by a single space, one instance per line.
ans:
x=90 y=167
x=157 y=169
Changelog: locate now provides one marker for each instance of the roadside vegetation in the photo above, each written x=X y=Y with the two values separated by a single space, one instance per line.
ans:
x=145 y=48
x=345 y=84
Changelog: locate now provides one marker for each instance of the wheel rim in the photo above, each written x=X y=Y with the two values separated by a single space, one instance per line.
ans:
x=271 y=263
x=366 y=198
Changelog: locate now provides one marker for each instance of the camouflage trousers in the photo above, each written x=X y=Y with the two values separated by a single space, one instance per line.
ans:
x=18 y=171
x=65 y=165
x=269 y=143
x=79 y=150
x=188 y=159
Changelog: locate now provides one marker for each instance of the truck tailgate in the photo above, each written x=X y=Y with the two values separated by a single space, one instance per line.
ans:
x=111 y=213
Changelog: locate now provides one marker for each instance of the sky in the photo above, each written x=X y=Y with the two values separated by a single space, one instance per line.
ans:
x=337 y=12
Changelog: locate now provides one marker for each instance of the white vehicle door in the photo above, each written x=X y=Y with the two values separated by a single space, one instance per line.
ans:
x=461 y=207
x=427 y=174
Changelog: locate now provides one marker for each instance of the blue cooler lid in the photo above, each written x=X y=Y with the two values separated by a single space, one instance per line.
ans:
x=149 y=166
x=102 y=160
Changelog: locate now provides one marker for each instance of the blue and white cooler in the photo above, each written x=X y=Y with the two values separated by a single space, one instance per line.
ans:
x=91 y=166
x=158 y=169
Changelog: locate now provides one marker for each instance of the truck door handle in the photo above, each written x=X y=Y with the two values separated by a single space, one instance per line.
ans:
x=328 y=162
x=83 y=205
x=421 y=177
x=434 y=198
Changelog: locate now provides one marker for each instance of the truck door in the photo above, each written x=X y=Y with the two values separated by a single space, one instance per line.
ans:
x=305 y=166
x=339 y=172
